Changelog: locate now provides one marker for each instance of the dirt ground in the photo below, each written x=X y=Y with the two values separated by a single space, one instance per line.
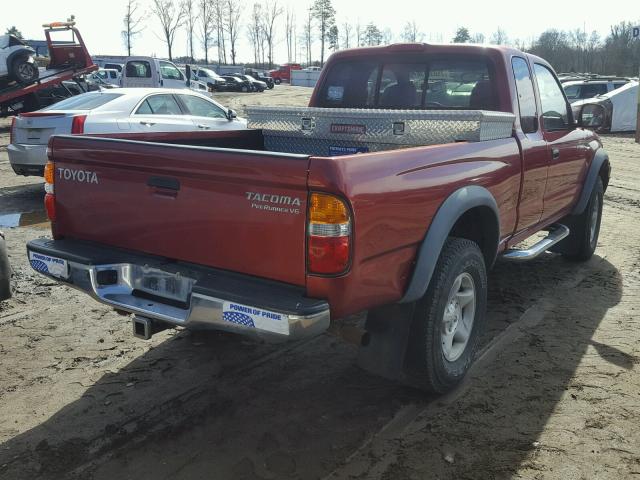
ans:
x=554 y=394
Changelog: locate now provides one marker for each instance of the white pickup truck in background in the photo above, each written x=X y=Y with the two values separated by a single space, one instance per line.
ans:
x=149 y=72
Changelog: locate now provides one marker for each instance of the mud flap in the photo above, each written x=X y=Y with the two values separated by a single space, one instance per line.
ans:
x=384 y=346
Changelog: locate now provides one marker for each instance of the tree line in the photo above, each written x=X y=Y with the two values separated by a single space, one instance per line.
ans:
x=215 y=29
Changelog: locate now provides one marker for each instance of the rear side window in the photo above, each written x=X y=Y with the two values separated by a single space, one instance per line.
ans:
x=138 y=69
x=554 y=106
x=526 y=97
x=86 y=101
x=447 y=83
x=159 y=105
x=591 y=90
x=202 y=108
x=170 y=72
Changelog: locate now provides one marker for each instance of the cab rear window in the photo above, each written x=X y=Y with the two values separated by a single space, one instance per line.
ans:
x=431 y=83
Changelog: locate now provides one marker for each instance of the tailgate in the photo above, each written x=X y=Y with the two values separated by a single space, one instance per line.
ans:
x=237 y=210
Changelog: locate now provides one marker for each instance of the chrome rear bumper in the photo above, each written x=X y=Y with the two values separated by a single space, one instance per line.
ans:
x=252 y=307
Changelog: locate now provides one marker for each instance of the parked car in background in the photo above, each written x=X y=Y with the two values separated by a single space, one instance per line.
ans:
x=125 y=110
x=576 y=90
x=283 y=73
x=149 y=72
x=5 y=270
x=16 y=60
x=108 y=75
x=262 y=76
x=256 y=85
x=210 y=78
x=237 y=84
x=95 y=82
x=615 y=111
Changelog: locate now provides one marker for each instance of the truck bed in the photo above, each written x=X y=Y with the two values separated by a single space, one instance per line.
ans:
x=220 y=200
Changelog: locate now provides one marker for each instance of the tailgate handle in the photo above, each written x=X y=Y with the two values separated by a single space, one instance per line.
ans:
x=167 y=183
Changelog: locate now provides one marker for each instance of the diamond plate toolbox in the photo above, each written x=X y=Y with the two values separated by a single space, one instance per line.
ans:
x=340 y=131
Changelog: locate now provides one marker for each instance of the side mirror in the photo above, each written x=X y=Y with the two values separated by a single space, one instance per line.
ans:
x=187 y=69
x=231 y=114
x=592 y=116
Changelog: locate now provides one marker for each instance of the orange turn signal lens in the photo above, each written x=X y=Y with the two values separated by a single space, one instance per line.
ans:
x=49 y=172
x=324 y=208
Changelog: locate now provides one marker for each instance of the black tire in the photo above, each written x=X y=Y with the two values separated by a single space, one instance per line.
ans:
x=581 y=243
x=244 y=89
x=271 y=86
x=24 y=71
x=277 y=81
x=5 y=272
x=426 y=365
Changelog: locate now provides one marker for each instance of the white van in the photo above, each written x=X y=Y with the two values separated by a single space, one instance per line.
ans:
x=149 y=72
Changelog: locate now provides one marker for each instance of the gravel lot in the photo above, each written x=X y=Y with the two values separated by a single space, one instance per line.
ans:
x=555 y=393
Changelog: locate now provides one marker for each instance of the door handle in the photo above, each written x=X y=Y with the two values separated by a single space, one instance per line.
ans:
x=555 y=153
x=203 y=126
x=148 y=124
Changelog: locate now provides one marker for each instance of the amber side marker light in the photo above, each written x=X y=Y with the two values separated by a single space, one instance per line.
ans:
x=329 y=235
x=49 y=196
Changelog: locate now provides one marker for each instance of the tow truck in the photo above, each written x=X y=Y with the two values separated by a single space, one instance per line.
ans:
x=68 y=63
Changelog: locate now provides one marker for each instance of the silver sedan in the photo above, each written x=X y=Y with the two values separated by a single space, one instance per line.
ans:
x=124 y=110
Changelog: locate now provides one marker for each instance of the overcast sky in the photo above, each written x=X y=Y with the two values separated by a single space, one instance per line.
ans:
x=101 y=22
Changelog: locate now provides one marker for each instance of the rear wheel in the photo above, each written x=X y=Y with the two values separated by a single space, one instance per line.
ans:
x=245 y=89
x=277 y=81
x=448 y=320
x=24 y=71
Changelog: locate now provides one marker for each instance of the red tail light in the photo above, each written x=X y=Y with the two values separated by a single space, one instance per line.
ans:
x=77 y=125
x=12 y=133
x=329 y=235
x=50 y=206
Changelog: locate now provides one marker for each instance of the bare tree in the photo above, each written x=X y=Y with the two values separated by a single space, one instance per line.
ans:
x=190 y=19
x=132 y=24
x=271 y=13
x=387 y=36
x=308 y=34
x=411 y=33
x=233 y=13
x=359 y=34
x=290 y=23
x=219 y=20
x=499 y=37
x=207 y=25
x=477 y=38
x=171 y=19
x=325 y=14
x=254 y=31
x=346 y=34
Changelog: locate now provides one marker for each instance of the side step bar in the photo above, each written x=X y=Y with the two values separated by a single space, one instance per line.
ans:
x=557 y=233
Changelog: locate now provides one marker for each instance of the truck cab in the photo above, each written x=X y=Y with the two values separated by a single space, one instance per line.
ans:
x=149 y=72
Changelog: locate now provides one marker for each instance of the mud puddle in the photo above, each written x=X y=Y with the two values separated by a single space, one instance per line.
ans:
x=26 y=219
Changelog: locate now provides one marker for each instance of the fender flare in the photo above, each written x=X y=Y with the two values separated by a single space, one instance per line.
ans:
x=456 y=204
x=600 y=158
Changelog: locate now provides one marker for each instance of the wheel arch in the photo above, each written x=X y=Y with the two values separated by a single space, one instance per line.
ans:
x=470 y=212
x=22 y=52
x=599 y=168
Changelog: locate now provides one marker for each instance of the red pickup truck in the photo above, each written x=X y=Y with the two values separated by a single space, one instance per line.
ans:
x=278 y=231
x=283 y=73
